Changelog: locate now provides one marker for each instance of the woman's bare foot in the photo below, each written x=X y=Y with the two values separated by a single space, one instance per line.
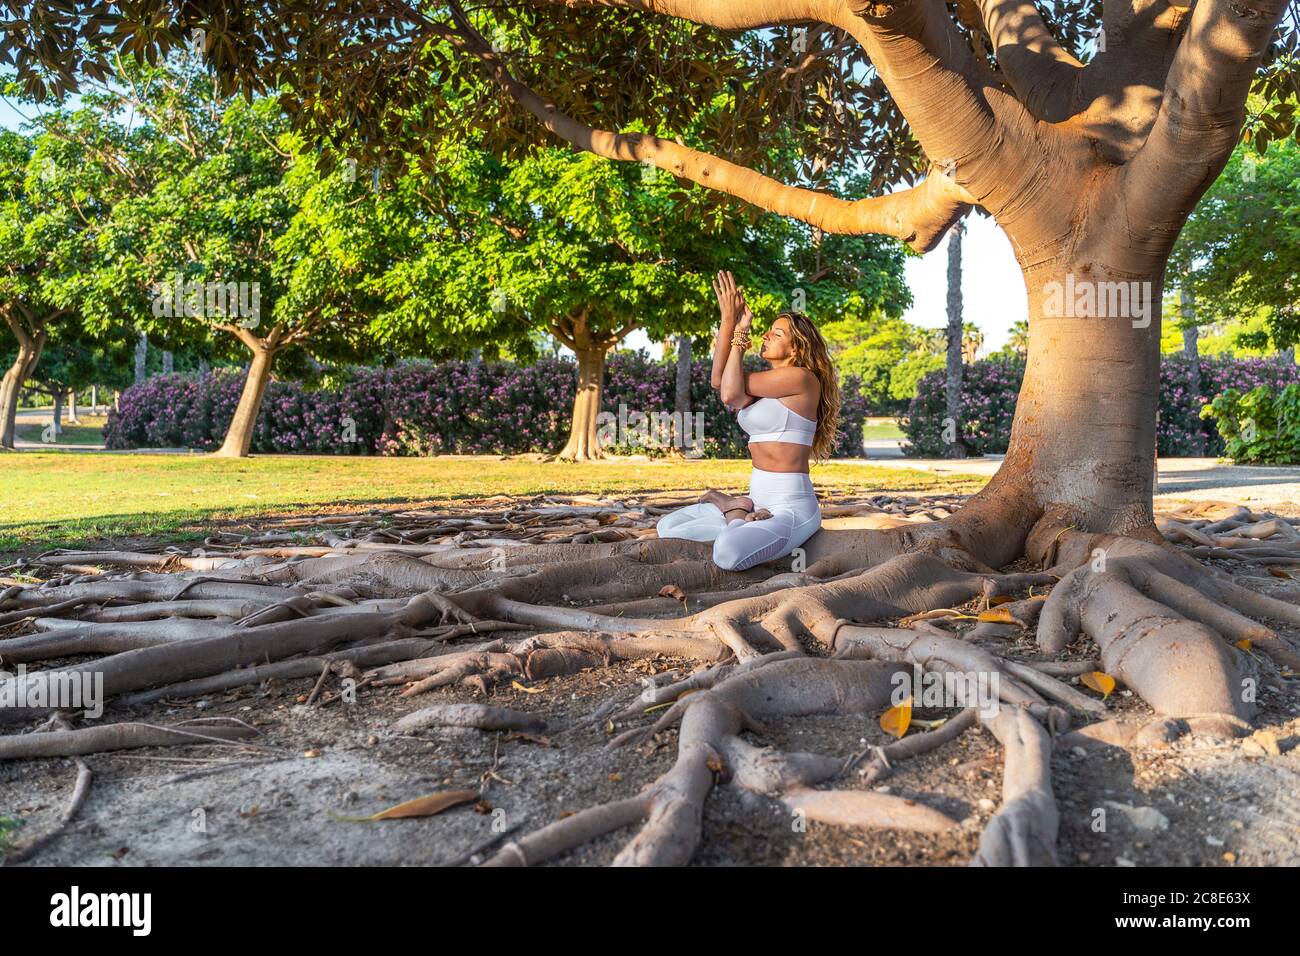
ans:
x=731 y=506
x=762 y=514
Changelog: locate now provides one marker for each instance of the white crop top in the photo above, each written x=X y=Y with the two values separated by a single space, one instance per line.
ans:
x=768 y=419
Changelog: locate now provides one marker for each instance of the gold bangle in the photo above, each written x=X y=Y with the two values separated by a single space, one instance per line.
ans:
x=740 y=339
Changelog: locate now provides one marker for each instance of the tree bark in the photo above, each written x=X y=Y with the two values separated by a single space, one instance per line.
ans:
x=1083 y=437
x=583 y=444
x=239 y=436
x=72 y=407
x=590 y=346
x=56 y=416
x=1191 y=333
x=141 y=354
x=957 y=447
x=29 y=353
x=168 y=363
x=682 y=394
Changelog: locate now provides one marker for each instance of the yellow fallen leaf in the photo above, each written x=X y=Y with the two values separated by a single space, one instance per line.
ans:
x=1243 y=644
x=896 y=720
x=427 y=806
x=997 y=615
x=1101 y=682
x=1000 y=599
x=1279 y=573
x=527 y=690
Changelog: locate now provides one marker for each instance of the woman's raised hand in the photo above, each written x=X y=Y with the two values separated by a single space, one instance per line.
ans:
x=731 y=303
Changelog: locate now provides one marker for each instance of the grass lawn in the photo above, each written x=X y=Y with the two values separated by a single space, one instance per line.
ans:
x=90 y=431
x=63 y=499
x=882 y=428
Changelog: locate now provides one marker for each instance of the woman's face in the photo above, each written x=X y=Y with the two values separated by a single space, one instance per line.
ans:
x=778 y=343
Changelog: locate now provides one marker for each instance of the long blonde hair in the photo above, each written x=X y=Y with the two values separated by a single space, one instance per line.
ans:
x=810 y=352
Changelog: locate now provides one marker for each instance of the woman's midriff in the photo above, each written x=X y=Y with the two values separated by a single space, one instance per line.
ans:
x=780 y=456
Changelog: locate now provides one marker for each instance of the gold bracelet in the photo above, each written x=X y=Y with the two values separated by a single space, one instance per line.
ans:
x=740 y=338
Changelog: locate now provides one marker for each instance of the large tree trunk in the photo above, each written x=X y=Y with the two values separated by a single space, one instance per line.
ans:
x=11 y=386
x=583 y=444
x=239 y=436
x=1083 y=438
x=956 y=448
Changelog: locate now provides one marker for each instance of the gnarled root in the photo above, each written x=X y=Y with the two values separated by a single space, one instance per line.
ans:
x=1023 y=831
x=711 y=751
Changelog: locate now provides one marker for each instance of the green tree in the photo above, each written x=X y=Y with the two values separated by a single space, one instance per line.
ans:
x=50 y=216
x=1236 y=255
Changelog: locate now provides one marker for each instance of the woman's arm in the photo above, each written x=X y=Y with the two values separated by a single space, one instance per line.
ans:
x=724 y=287
x=732 y=389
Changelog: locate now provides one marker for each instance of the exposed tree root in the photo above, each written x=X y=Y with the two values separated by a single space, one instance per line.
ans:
x=590 y=587
x=93 y=740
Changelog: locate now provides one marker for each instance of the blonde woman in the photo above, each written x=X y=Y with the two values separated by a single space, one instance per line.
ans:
x=791 y=414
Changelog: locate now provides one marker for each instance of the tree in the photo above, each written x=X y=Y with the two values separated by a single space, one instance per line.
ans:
x=49 y=212
x=1235 y=256
x=1091 y=164
x=588 y=251
x=954 y=352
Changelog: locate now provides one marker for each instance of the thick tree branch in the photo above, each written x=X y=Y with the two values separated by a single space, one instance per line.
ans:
x=1039 y=69
x=919 y=216
x=964 y=120
x=1199 y=120
x=722 y=14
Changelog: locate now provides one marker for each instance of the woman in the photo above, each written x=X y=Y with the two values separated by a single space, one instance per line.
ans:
x=791 y=413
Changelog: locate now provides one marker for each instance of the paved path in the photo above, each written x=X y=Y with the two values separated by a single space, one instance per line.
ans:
x=1179 y=478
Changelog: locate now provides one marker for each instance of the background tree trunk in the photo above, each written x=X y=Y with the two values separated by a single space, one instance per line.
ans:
x=56 y=416
x=11 y=387
x=239 y=436
x=168 y=363
x=72 y=407
x=141 y=354
x=682 y=394
x=583 y=444
x=956 y=448
x=1191 y=333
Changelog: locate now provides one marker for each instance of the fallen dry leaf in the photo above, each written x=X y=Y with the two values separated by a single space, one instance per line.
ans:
x=1101 y=682
x=1279 y=573
x=997 y=615
x=427 y=806
x=527 y=690
x=897 y=719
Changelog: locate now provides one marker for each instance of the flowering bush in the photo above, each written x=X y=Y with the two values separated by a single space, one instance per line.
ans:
x=990 y=388
x=419 y=408
x=988 y=403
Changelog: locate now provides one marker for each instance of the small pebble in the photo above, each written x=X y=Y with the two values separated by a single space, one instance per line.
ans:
x=1213 y=841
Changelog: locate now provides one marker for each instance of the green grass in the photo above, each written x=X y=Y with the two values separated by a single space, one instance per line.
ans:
x=90 y=431
x=65 y=499
x=882 y=428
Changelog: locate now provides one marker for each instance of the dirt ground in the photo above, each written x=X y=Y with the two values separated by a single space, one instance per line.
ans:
x=1198 y=802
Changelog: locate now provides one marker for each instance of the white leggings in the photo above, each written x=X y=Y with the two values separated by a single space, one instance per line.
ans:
x=741 y=544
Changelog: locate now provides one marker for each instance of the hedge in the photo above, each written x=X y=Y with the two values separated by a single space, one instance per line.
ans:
x=419 y=408
x=990 y=387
